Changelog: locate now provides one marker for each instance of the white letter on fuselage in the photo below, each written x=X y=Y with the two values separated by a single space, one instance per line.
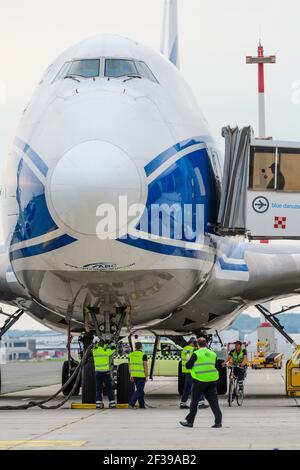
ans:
x=107 y=227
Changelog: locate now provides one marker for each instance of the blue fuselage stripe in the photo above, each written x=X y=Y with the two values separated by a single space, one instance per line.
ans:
x=34 y=157
x=167 y=154
x=42 y=248
x=163 y=249
x=232 y=266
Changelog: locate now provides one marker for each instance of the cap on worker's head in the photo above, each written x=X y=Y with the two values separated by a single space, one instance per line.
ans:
x=138 y=345
x=192 y=339
x=238 y=342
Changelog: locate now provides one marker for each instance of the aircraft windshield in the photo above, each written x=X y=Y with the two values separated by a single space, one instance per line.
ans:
x=120 y=68
x=114 y=68
x=117 y=68
x=87 y=68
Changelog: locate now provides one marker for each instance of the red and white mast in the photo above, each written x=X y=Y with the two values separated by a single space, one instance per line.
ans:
x=261 y=60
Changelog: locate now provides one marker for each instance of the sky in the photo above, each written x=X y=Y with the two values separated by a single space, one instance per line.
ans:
x=214 y=38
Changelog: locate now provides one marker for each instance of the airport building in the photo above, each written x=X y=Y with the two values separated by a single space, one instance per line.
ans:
x=45 y=345
x=16 y=349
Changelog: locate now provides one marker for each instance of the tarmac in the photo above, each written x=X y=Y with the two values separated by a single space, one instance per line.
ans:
x=267 y=420
x=29 y=374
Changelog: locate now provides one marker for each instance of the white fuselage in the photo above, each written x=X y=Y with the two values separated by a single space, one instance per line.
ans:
x=84 y=142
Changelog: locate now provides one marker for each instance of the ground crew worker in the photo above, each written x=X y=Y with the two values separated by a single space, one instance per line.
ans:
x=205 y=376
x=102 y=354
x=186 y=353
x=238 y=358
x=138 y=371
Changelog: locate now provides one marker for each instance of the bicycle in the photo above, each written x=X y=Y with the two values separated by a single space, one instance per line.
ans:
x=236 y=389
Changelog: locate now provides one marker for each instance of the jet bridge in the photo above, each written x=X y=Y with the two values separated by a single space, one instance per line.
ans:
x=261 y=187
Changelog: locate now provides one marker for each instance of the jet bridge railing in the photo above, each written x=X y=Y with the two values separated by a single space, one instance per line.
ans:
x=260 y=188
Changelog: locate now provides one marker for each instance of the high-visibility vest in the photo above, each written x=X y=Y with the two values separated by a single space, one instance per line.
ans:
x=137 y=364
x=102 y=358
x=204 y=369
x=187 y=350
x=237 y=357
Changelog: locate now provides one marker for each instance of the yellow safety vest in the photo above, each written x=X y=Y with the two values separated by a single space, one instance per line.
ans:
x=102 y=358
x=237 y=357
x=204 y=369
x=187 y=350
x=137 y=364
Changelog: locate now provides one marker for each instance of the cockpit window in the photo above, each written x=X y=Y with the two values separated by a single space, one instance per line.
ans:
x=117 y=68
x=62 y=72
x=120 y=68
x=87 y=68
x=114 y=68
x=145 y=72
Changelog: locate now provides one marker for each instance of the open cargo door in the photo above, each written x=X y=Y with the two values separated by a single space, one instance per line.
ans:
x=261 y=187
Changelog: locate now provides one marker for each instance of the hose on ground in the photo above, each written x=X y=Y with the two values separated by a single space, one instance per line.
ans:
x=41 y=404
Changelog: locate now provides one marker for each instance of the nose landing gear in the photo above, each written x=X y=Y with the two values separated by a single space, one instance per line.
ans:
x=107 y=326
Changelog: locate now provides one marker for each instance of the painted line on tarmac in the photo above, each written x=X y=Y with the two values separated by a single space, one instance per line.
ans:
x=14 y=444
x=40 y=443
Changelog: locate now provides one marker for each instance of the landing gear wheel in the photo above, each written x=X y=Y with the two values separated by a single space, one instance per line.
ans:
x=88 y=383
x=222 y=382
x=65 y=377
x=125 y=388
x=181 y=378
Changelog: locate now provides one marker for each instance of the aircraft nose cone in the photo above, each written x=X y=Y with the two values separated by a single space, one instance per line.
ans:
x=90 y=176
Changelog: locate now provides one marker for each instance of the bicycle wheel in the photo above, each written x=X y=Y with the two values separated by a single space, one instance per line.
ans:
x=240 y=395
x=231 y=392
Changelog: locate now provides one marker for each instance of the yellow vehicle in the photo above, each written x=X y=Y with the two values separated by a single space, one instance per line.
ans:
x=263 y=359
x=167 y=357
x=292 y=376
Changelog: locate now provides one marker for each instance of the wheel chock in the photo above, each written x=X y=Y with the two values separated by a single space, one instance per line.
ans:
x=92 y=406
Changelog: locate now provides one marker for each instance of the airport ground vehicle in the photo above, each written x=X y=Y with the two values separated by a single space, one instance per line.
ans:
x=164 y=359
x=236 y=389
x=292 y=376
x=167 y=358
x=263 y=359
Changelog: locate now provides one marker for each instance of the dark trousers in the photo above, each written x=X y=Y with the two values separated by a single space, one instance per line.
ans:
x=103 y=378
x=188 y=382
x=239 y=373
x=138 y=394
x=209 y=390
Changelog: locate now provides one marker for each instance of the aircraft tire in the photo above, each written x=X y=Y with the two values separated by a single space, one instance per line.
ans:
x=125 y=388
x=88 y=387
x=65 y=377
